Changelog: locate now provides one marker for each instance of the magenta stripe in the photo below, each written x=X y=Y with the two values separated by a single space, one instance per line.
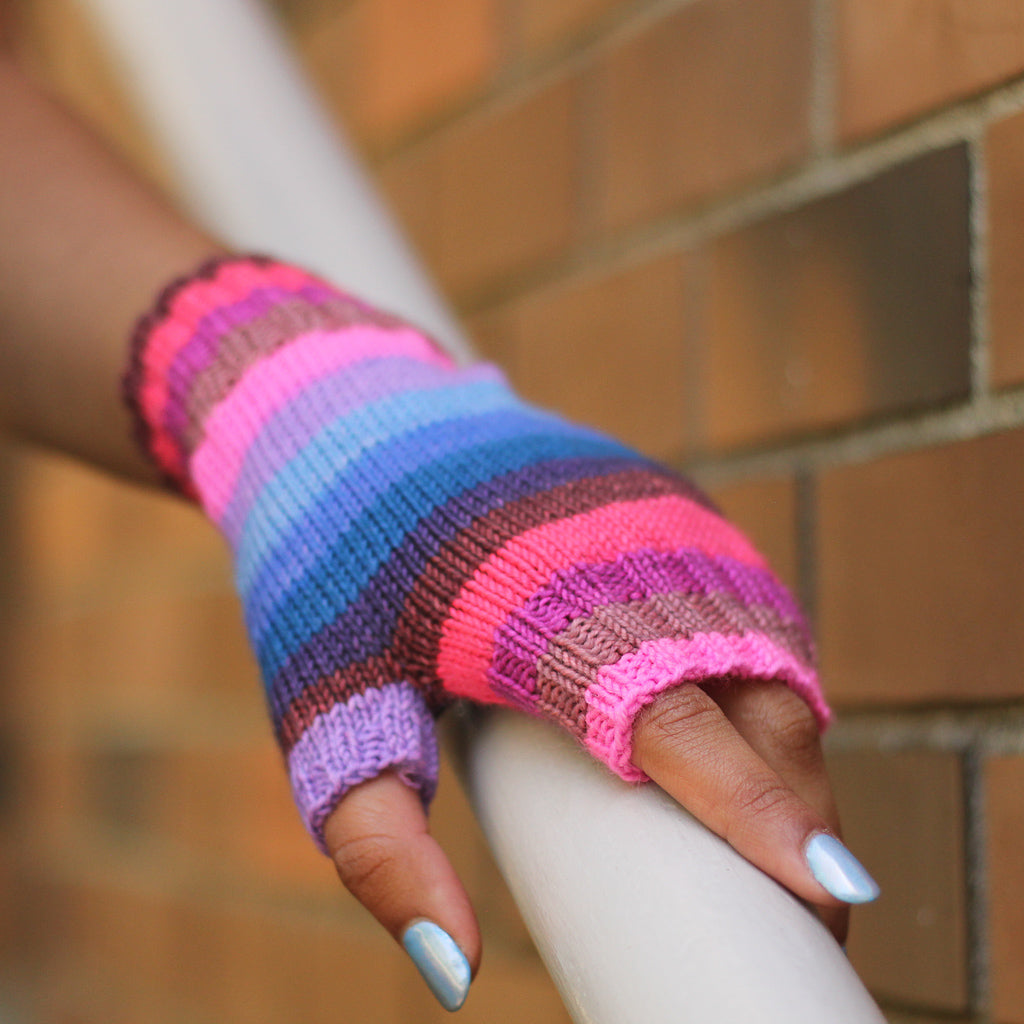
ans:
x=575 y=593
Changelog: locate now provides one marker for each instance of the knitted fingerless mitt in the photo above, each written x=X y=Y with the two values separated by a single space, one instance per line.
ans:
x=407 y=532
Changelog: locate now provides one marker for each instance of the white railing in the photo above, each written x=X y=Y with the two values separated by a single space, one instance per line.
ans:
x=642 y=916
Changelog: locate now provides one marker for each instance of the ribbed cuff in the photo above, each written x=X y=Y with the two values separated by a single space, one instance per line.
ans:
x=623 y=689
x=383 y=729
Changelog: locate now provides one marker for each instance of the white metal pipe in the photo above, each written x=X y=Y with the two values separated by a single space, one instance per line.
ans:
x=641 y=914
x=256 y=157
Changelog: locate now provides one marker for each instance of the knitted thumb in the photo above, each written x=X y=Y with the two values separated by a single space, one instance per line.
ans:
x=407 y=532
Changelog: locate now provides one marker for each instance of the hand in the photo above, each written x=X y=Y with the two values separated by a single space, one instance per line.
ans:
x=744 y=758
x=407 y=532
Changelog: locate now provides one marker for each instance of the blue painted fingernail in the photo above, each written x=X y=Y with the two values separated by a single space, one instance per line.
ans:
x=443 y=965
x=838 y=871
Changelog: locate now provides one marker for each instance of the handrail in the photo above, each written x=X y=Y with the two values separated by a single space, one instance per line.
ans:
x=642 y=916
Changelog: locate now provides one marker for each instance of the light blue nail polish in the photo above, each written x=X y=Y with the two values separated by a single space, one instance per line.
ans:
x=838 y=871
x=443 y=965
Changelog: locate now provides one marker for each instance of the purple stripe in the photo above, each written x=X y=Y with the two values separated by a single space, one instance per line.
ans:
x=354 y=741
x=635 y=576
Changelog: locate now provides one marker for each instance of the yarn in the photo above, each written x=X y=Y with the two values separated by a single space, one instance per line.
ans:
x=408 y=532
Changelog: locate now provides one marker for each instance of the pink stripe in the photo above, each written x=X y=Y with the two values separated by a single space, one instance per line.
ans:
x=268 y=385
x=623 y=688
x=231 y=282
x=509 y=577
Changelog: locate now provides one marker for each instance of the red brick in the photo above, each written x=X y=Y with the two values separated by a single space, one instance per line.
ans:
x=1004 y=823
x=106 y=952
x=703 y=100
x=392 y=65
x=149 y=665
x=231 y=809
x=766 y=510
x=84 y=540
x=610 y=350
x=899 y=59
x=903 y=816
x=168 y=952
x=51 y=799
x=853 y=306
x=921 y=561
x=1004 y=150
x=492 y=196
x=545 y=24
x=318 y=972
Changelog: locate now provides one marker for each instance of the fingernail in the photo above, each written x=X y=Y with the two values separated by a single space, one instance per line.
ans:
x=839 y=872
x=443 y=965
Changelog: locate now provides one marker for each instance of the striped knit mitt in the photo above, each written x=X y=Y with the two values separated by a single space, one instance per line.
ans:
x=407 y=532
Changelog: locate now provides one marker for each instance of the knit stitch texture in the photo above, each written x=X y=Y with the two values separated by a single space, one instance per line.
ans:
x=408 y=532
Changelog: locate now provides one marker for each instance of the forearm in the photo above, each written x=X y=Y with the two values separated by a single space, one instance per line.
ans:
x=84 y=246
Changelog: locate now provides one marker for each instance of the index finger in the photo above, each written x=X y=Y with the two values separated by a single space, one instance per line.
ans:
x=688 y=746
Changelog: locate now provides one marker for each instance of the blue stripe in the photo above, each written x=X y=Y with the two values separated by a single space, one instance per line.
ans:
x=356 y=554
x=334 y=452
x=365 y=628
x=298 y=421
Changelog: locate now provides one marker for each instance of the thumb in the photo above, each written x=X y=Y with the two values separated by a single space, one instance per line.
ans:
x=384 y=854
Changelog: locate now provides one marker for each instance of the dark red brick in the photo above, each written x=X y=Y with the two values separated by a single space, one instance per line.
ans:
x=850 y=307
x=708 y=97
x=921 y=562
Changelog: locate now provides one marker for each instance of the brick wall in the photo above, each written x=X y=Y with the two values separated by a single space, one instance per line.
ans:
x=776 y=242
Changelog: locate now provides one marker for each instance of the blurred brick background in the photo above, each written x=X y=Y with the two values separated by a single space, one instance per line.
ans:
x=778 y=242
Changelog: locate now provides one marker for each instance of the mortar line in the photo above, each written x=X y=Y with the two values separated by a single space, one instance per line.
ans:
x=979 y=265
x=823 y=80
x=993 y=729
x=819 y=177
x=988 y=415
x=979 y=956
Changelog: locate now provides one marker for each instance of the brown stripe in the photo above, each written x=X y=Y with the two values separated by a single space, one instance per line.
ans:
x=335 y=689
x=254 y=340
x=418 y=632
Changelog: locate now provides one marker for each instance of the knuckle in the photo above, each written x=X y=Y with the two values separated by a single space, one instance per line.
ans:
x=754 y=801
x=759 y=799
x=363 y=861
x=679 y=710
x=794 y=729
